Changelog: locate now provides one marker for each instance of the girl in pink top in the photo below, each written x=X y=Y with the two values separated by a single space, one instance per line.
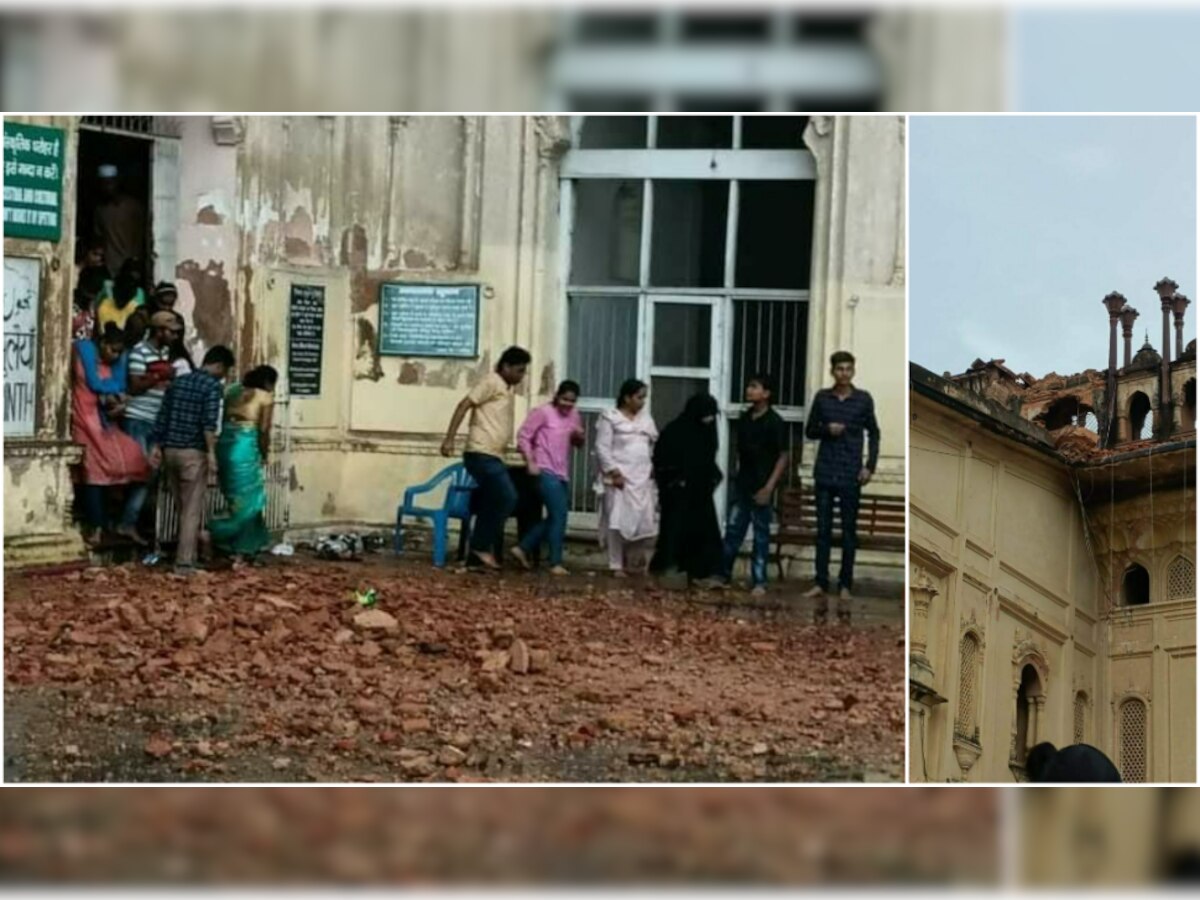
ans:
x=545 y=441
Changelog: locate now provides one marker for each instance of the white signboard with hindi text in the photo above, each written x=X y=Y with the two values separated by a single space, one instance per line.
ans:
x=22 y=305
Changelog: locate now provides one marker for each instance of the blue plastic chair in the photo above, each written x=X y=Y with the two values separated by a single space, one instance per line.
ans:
x=457 y=505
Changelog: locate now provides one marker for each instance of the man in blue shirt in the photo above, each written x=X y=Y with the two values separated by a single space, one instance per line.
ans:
x=840 y=418
x=185 y=440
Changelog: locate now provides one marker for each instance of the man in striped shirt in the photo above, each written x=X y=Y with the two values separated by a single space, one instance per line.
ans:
x=185 y=439
x=150 y=372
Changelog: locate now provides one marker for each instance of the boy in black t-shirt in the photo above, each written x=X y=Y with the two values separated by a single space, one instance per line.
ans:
x=762 y=457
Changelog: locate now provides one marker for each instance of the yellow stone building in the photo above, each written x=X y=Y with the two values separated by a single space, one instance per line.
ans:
x=1052 y=556
x=689 y=251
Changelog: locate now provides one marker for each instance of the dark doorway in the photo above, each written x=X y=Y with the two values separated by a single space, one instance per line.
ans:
x=131 y=156
x=1061 y=413
x=1135 y=586
x=1141 y=422
x=1027 y=693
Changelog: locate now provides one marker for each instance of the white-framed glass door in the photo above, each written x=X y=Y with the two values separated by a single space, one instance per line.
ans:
x=686 y=247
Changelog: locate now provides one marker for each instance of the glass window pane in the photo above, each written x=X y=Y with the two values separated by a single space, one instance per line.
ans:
x=606 y=245
x=702 y=103
x=726 y=27
x=688 y=242
x=602 y=336
x=611 y=103
x=682 y=335
x=770 y=336
x=832 y=103
x=613 y=133
x=617 y=28
x=774 y=241
x=773 y=132
x=831 y=27
x=695 y=132
x=669 y=395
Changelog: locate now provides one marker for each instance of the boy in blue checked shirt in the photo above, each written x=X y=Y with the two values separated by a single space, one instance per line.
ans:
x=185 y=439
x=840 y=417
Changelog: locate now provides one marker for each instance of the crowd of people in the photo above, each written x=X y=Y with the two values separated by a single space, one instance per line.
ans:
x=656 y=491
x=143 y=410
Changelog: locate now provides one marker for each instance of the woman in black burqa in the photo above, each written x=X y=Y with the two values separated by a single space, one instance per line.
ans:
x=685 y=467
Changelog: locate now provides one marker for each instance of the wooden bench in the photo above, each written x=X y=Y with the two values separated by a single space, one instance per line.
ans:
x=880 y=522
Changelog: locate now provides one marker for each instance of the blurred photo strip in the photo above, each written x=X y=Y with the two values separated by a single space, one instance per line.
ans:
x=809 y=57
x=1108 y=838
x=602 y=841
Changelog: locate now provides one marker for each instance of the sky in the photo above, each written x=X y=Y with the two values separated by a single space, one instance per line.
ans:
x=1140 y=58
x=1020 y=225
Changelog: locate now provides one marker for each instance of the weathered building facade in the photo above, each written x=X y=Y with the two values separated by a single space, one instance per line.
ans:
x=670 y=250
x=1052 y=553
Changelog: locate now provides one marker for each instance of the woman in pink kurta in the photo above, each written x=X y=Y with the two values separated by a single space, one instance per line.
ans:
x=625 y=439
x=545 y=440
x=110 y=456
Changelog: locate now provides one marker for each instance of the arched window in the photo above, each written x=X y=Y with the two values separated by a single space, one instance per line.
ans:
x=1079 y=726
x=1131 y=740
x=968 y=678
x=1181 y=579
x=1027 y=727
x=1061 y=413
x=1189 y=405
x=1141 y=422
x=1135 y=586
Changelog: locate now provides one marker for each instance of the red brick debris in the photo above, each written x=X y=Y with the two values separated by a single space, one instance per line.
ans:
x=129 y=674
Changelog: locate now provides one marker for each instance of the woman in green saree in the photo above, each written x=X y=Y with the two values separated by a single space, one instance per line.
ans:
x=242 y=451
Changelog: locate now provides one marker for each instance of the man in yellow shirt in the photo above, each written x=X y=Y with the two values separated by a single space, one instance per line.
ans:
x=490 y=431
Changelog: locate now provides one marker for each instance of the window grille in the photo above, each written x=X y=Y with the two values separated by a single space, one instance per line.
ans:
x=968 y=663
x=1079 y=732
x=1132 y=741
x=1181 y=579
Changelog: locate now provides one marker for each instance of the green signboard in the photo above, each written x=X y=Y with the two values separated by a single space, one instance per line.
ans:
x=420 y=319
x=33 y=177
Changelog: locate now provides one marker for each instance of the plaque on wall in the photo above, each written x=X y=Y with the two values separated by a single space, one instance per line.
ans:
x=306 y=339
x=421 y=319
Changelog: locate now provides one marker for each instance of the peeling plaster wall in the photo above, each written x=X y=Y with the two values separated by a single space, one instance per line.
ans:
x=37 y=486
x=353 y=202
x=207 y=237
